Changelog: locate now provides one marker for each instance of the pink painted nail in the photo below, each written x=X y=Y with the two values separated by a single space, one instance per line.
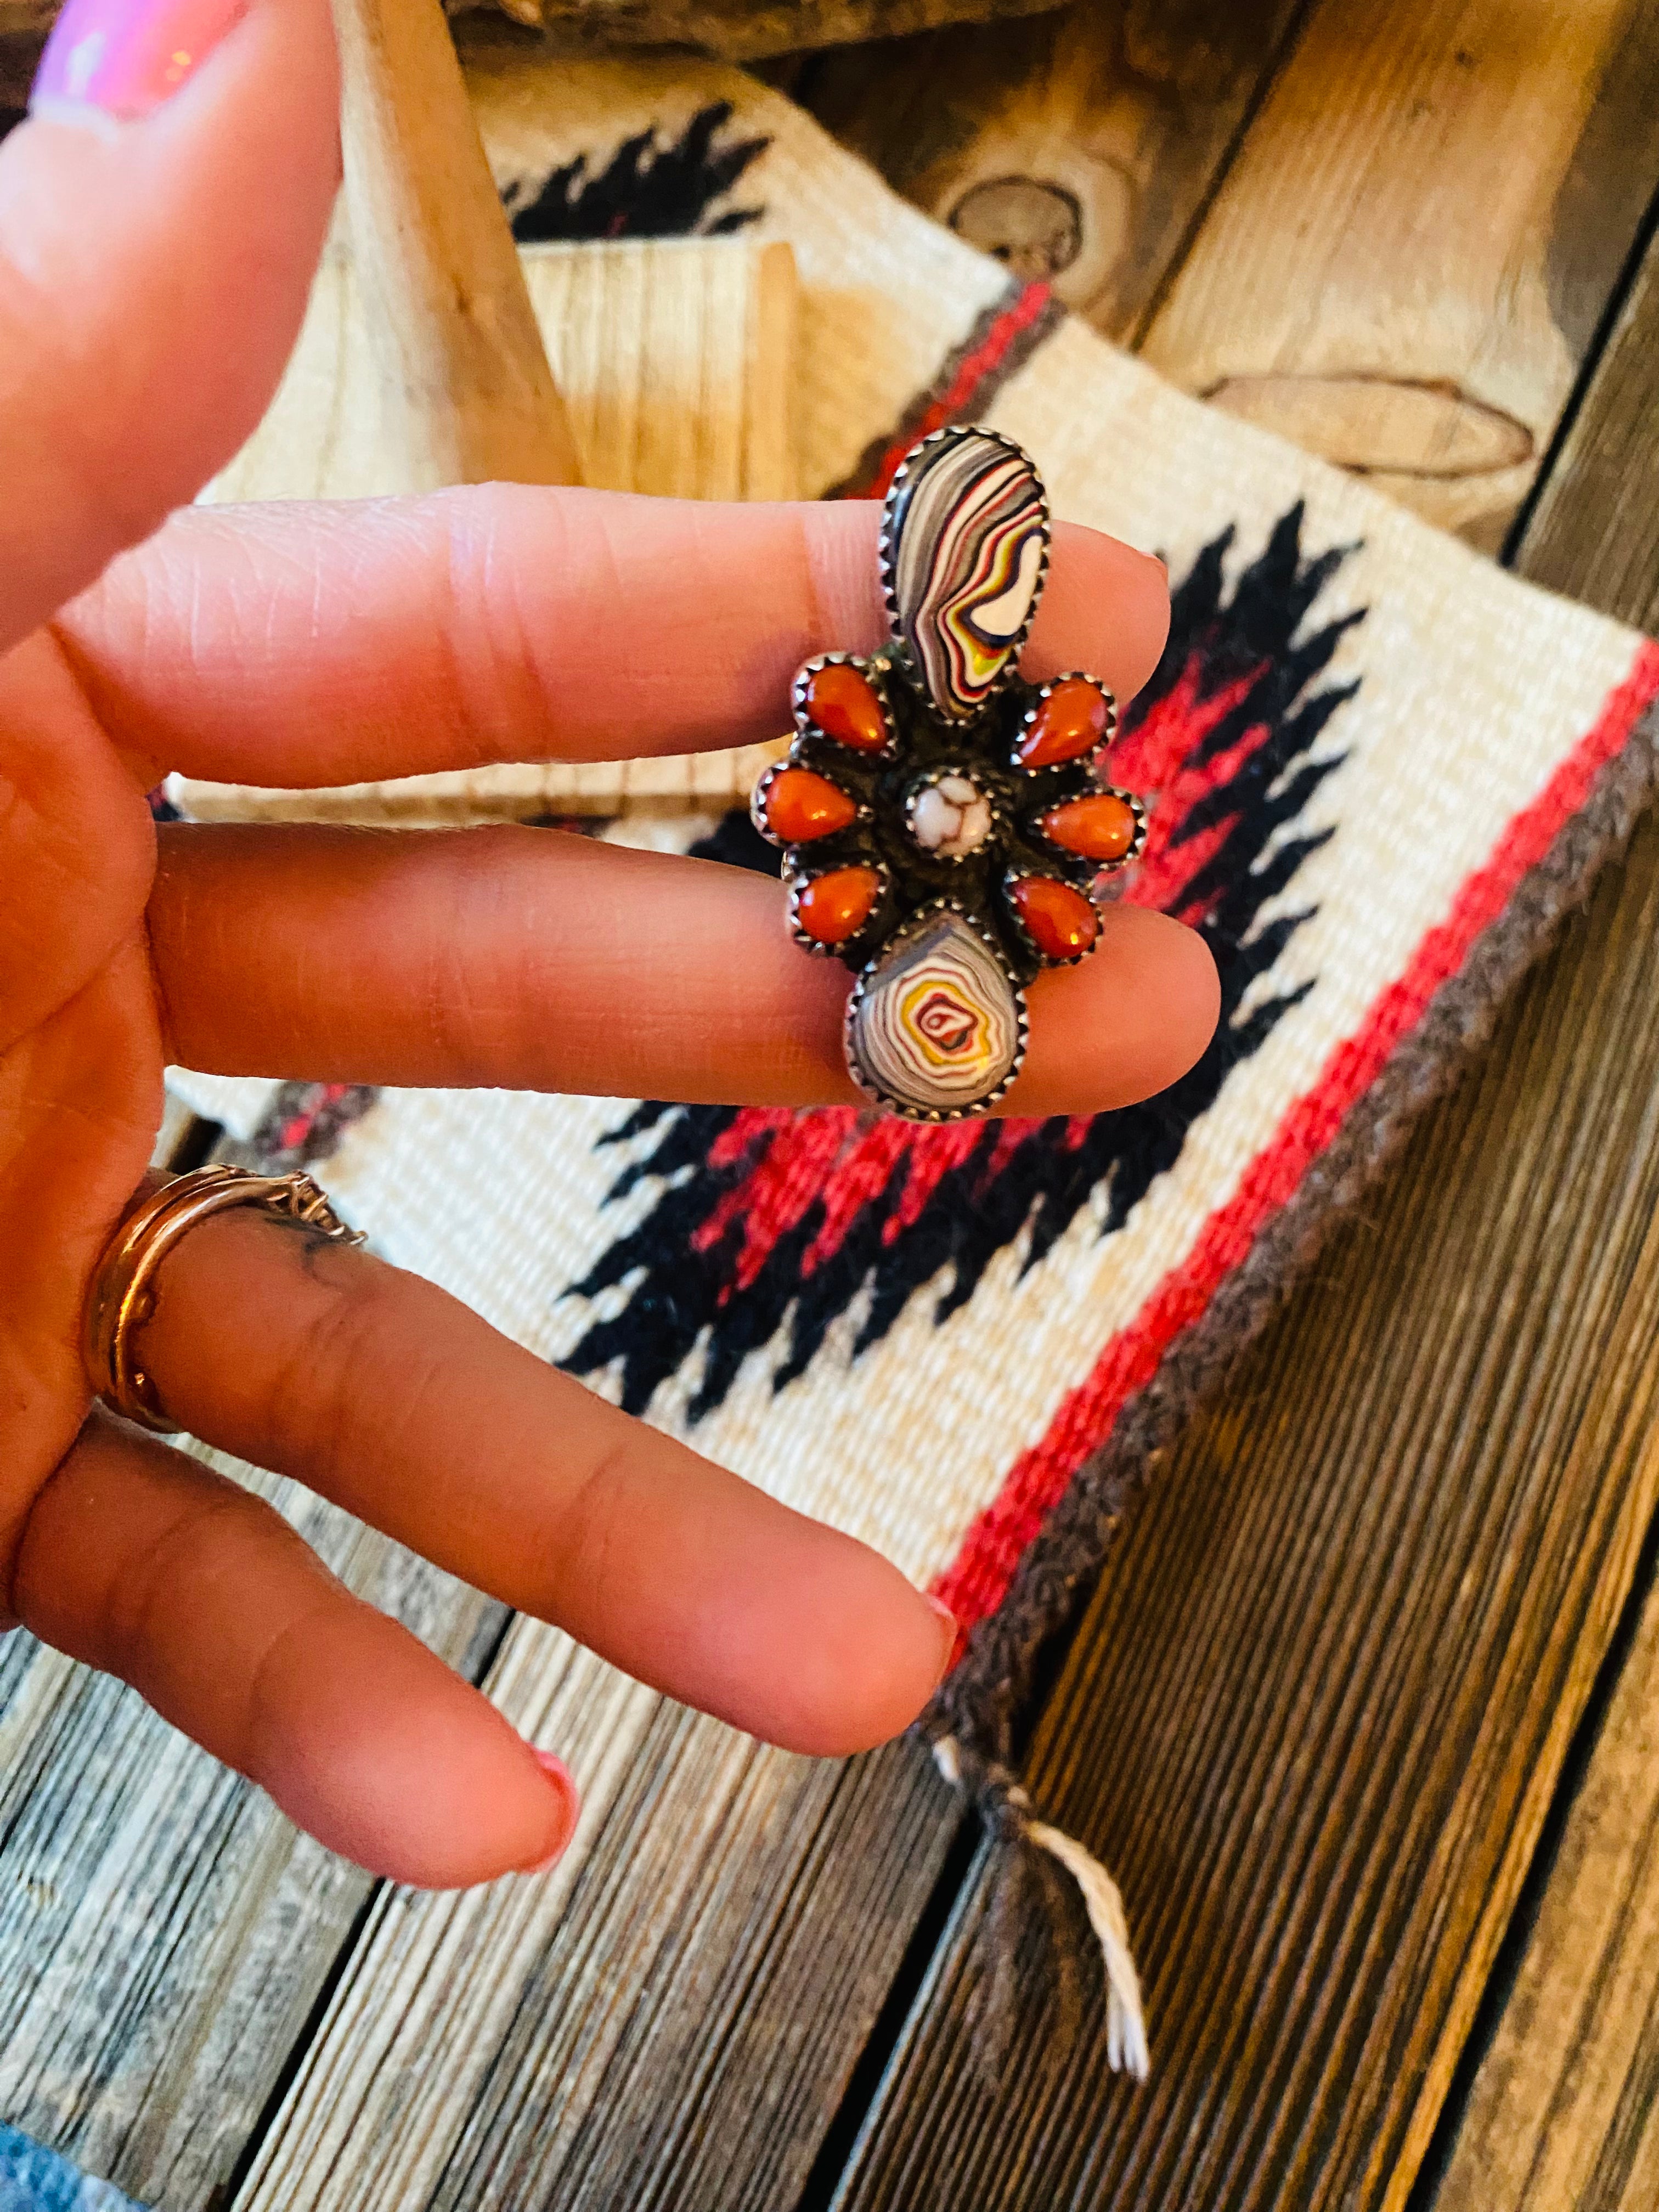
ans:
x=570 y=1799
x=124 y=58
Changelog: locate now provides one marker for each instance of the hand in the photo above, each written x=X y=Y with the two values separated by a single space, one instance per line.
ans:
x=152 y=277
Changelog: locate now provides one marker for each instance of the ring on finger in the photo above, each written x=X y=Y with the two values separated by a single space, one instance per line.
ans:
x=122 y=1295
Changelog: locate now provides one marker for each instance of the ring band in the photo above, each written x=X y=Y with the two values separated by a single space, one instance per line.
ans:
x=122 y=1298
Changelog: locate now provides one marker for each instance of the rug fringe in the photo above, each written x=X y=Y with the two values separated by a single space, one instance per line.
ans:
x=1127 y=2050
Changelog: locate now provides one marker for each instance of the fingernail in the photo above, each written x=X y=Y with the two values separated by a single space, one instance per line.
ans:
x=124 y=58
x=570 y=1806
x=952 y=1628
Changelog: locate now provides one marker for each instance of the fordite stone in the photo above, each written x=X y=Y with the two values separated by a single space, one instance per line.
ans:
x=1099 y=828
x=1059 y=921
x=801 y=806
x=966 y=540
x=835 y=906
x=840 y=700
x=1073 y=719
x=935 y=1026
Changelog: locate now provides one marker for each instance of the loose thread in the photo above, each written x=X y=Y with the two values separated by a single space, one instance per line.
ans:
x=1007 y=1804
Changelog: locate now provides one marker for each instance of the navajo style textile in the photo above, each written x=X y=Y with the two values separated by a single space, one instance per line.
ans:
x=1377 y=769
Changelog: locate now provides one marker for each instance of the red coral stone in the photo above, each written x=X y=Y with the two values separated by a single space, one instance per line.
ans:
x=801 y=805
x=840 y=701
x=1071 y=721
x=1101 y=828
x=834 y=907
x=1060 y=923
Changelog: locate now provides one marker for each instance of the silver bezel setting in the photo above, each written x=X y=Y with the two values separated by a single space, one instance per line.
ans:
x=1070 y=675
x=1013 y=876
x=795 y=881
x=936 y=1114
x=875 y=673
x=1039 y=835
x=763 y=783
x=926 y=781
x=911 y=466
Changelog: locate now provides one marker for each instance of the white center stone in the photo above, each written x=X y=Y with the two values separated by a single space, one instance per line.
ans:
x=950 y=817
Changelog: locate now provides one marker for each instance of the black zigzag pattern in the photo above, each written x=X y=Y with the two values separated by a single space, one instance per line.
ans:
x=682 y=1300
x=650 y=188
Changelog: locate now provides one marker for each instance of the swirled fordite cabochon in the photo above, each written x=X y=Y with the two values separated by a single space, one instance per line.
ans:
x=968 y=535
x=936 y=1027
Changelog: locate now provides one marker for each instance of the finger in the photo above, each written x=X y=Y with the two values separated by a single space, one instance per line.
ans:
x=536 y=960
x=153 y=273
x=77 y=846
x=310 y=644
x=391 y=1398
x=147 y=1565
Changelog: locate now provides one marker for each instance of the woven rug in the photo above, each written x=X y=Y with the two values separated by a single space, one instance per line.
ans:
x=1378 y=769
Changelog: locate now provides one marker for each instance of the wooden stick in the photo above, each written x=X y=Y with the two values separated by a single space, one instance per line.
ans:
x=467 y=393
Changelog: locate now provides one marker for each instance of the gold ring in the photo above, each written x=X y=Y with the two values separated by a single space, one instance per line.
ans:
x=122 y=1298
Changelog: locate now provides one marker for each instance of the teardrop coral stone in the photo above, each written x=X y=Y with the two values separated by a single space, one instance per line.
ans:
x=801 y=805
x=840 y=701
x=1071 y=721
x=1099 y=828
x=1059 y=921
x=833 y=907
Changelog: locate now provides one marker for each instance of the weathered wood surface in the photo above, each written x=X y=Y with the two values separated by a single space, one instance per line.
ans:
x=1407 y=253
x=738 y=30
x=1561 y=2113
x=467 y=396
x=1315 y=1714
x=1078 y=147
x=1404 y=264
x=677 y=2023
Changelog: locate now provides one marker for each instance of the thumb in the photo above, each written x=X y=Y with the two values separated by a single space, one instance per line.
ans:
x=161 y=213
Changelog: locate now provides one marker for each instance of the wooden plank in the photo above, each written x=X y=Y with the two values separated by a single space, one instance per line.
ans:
x=677 y=2018
x=1404 y=267
x=1078 y=147
x=740 y=30
x=1316 y=1714
x=674 y=359
x=1560 y=2113
x=1338 y=291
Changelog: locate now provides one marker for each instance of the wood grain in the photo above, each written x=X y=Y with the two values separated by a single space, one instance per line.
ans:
x=740 y=30
x=467 y=393
x=1078 y=147
x=1315 y=1716
x=1561 y=2114
x=674 y=2020
x=1343 y=290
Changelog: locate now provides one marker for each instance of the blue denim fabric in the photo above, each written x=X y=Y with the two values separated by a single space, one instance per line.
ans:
x=36 y=2180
